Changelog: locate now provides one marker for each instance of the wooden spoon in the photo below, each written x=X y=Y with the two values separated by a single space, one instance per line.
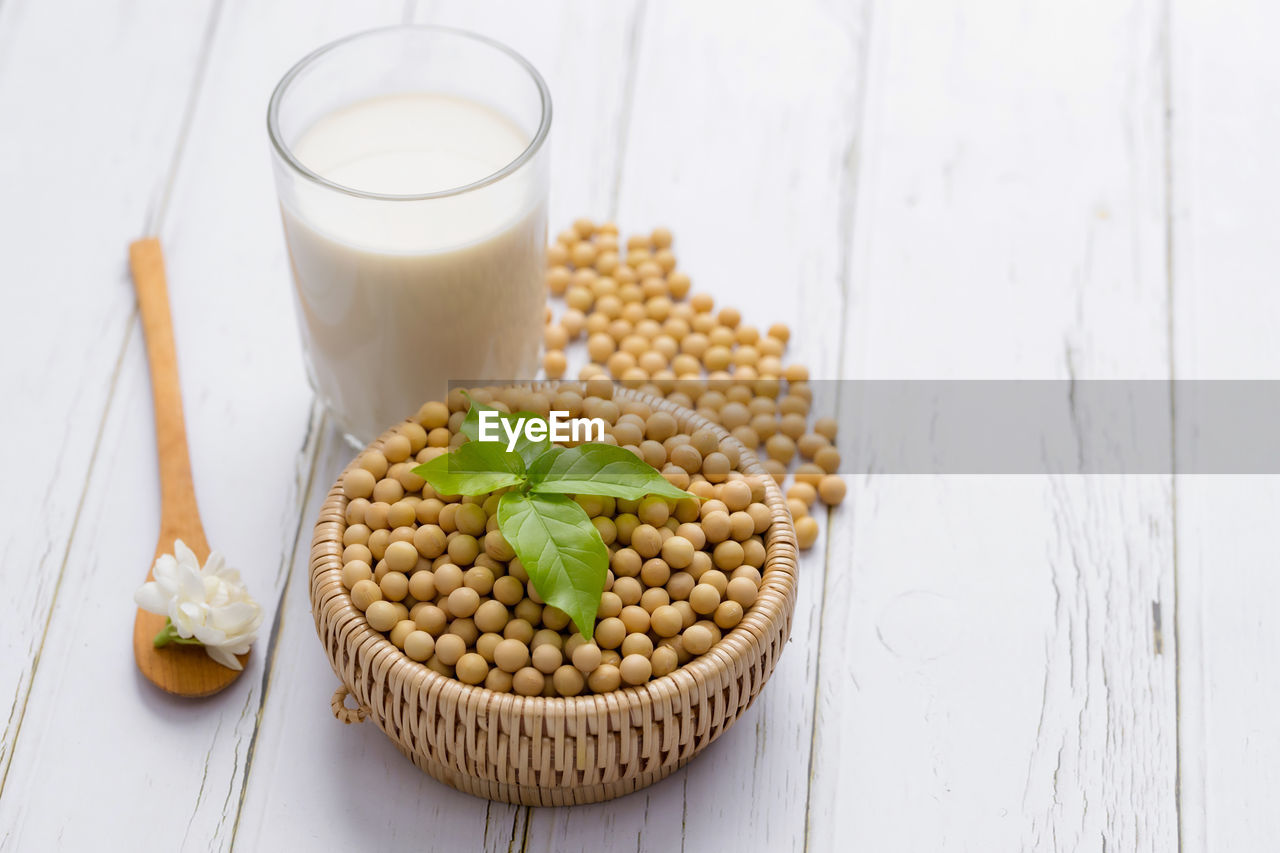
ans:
x=184 y=670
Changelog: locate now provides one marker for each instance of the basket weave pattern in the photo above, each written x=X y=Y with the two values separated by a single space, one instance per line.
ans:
x=553 y=751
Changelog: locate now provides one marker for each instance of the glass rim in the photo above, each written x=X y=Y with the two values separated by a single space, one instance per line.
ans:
x=286 y=153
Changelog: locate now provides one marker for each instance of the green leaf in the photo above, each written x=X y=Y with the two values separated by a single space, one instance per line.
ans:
x=539 y=467
x=473 y=469
x=560 y=549
x=603 y=470
x=528 y=450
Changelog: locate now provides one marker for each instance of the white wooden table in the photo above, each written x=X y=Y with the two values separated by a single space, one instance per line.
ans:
x=921 y=189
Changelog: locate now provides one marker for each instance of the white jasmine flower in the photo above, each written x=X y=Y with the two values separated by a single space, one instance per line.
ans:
x=208 y=605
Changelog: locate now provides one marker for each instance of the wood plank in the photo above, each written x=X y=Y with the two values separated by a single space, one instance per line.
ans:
x=81 y=167
x=1226 y=320
x=305 y=762
x=177 y=769
x=740 y=137
x=989 y=676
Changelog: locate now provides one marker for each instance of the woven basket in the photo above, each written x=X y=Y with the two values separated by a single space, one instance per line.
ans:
x=553 y=751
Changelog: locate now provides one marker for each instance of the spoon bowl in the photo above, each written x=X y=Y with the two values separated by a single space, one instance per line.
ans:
x=183 y=670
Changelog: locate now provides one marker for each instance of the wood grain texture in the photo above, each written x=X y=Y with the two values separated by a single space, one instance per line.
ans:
x=712 y=154
x=252 y=446
x=1224 y=132
x=69 y=210
x=179 y=514
x=989 y=677
x=920 y=189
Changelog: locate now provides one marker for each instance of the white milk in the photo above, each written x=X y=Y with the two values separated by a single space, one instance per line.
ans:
x=396 y=298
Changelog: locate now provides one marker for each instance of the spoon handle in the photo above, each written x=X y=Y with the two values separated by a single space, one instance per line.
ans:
x=179 y=516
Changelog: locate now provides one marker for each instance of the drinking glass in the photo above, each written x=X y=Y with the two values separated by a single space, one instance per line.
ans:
x=404 y=281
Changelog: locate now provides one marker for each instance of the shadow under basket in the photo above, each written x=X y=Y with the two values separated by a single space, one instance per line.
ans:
x=544 y=751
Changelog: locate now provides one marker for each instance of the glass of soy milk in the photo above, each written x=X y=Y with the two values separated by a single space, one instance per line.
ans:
x=411 y=168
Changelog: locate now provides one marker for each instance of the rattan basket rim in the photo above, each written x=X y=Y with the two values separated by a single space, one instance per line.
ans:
x=736 y=646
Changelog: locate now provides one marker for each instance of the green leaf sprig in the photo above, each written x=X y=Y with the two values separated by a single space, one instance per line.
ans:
x=553 y=536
